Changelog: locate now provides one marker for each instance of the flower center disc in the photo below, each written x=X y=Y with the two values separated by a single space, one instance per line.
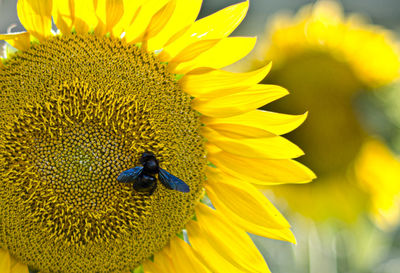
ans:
x=76 y=111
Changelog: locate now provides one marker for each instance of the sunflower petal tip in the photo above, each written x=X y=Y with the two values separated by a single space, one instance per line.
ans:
x=283 y=91
x=302 y=118
x=311 y=175
x=266 y=68
x=290 y=237
x=294 y=241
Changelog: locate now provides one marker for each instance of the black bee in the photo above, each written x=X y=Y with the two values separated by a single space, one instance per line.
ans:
x=143 y=176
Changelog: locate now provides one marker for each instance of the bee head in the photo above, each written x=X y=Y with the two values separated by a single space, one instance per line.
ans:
x=146 y=156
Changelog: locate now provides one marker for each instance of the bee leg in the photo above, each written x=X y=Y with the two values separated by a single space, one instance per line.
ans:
x=153 y=188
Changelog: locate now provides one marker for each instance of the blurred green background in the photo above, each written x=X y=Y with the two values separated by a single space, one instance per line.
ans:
x=329 y=246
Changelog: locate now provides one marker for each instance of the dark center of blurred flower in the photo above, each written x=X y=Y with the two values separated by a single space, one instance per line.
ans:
x=328 y=94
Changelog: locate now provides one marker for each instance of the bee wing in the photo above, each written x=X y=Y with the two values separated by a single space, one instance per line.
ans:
x=172 y=182
x=130 y=175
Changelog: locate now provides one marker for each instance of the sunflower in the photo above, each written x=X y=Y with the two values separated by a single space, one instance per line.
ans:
x=327 y=60
x=369 y=51
x=378 y=171
x=117 y=79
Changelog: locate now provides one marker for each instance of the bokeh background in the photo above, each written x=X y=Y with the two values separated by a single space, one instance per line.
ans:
x=384 y=12
x=353 y=238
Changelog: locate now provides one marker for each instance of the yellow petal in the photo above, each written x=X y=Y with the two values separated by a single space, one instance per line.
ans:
x=214 y=238
x=63 y=15
x=160 y=19
x=109 y=12
x=224 y=53
x=185 y=13
x=192 y=51
x=5 y=261
x=17 y=267
x=240 y=131
x=136 y=31
x=209 y=83
x=239 y=103
x=85 y=18
x=244 y=200
x=162 y=262
x=3 y=53
x=275 y=123
x=272 y=147
x=19 y=40
x=187 y=261
x=263 y=171
x=151 y=267
x=215 y=26
x=208 y=254
x=35 y=16
x=255 y=215
x=69 y=14
x=131 y=10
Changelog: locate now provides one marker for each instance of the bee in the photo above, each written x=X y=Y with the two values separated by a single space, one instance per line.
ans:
x=143 y=177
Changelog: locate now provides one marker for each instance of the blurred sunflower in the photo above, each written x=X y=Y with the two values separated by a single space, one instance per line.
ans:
x=119 y=78
x=378 y=170
x=327 y=60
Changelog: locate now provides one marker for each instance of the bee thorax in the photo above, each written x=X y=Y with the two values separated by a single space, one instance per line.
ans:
x=151 y=167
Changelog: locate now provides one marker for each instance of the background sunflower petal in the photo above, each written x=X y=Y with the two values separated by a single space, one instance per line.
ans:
x=214 y=26
x=275 y=123
x=263 y=171
x=249 y=99
x=273 y=147
x=35 y=16
x=224 y=53
x=229 y=241
x=211 y=81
